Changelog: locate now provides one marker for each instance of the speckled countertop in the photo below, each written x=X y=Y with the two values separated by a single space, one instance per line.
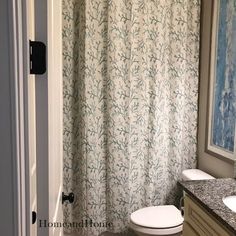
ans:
x=209 y=194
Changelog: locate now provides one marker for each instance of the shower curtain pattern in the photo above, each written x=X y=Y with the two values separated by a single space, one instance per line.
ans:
x=130 y=105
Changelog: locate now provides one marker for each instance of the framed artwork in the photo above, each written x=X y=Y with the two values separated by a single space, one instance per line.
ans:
x=221 y=120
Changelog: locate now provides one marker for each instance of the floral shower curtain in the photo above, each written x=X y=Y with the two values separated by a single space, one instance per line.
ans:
x=130 y=106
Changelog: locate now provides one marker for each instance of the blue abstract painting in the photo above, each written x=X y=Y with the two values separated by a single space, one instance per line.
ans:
x=224 y=96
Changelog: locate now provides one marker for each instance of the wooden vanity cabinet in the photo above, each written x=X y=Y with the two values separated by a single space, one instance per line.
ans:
x=198 y=222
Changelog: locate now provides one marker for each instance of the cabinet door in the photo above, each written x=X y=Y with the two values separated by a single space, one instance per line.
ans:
x=201 y=221
x=188 y=230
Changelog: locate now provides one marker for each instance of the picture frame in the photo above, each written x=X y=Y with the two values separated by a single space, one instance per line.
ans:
x=221 y=115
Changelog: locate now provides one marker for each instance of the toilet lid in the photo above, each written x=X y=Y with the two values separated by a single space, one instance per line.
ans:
x=157 y=217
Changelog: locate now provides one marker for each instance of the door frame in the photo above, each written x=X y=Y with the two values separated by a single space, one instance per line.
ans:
x=49 y=123
x=19 y=67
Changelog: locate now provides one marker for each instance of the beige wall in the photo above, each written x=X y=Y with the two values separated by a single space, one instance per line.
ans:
x=218 y=167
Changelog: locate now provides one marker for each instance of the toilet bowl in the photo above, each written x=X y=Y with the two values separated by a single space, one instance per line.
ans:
x=157 y=220
x=163 y=220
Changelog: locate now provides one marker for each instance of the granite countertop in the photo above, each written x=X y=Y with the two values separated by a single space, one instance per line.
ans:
x=209 y=194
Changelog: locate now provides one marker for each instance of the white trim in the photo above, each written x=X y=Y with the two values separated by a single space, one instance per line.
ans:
x=18 y=58
x=58 y=205
x=19 y=67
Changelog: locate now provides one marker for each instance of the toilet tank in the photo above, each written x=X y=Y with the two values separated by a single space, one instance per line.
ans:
x=195 y=174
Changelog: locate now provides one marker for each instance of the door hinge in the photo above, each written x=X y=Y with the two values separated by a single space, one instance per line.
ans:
x=34 y=217
x=37 y=57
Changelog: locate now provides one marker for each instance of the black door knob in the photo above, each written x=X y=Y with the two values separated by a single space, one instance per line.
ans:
x=69 y=197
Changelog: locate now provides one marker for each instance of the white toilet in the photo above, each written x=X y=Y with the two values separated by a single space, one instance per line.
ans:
x=163 y=220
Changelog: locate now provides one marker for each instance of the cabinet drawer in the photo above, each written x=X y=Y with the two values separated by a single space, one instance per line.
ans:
x=201 y=221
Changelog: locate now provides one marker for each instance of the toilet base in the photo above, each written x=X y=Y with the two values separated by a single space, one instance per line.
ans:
x=143 y=231
x=143 y=234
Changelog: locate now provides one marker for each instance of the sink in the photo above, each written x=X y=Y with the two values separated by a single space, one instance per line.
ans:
x=230 y=202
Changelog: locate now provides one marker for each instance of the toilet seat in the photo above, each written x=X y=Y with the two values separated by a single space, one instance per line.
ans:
x=157 y=220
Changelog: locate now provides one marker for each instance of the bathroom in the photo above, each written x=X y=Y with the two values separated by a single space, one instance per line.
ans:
x=133 y=117
x=128 y=119
x=135 y=97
